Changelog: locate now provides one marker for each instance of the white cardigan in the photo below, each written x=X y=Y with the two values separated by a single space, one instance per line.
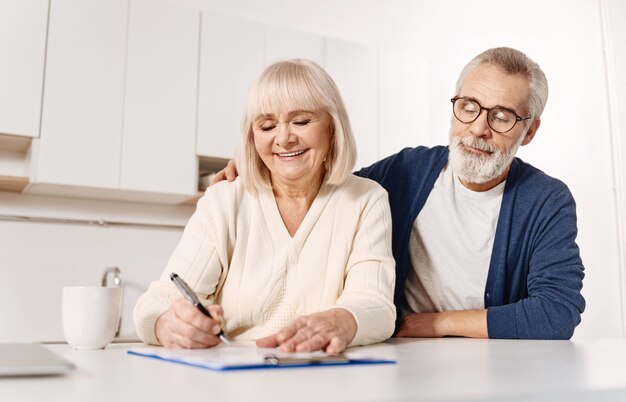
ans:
x=237 y=252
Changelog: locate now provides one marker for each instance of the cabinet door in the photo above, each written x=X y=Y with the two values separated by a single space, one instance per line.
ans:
x=84 y=92
x=284 y=44
x=22 y=50
x=158 y=153
x=231 y=58
x=355 y=71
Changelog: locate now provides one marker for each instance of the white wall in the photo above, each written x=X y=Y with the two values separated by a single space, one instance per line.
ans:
x=613 y=17
x=423 y=46
x=38 y=259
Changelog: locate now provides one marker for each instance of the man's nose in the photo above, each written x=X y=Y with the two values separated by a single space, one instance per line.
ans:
x=480 y=126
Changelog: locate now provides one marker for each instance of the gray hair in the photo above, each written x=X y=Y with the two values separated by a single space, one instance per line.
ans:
x=512 y=62
x=296 y=85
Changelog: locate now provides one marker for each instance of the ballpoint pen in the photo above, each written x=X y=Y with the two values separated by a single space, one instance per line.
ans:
x=193 y=298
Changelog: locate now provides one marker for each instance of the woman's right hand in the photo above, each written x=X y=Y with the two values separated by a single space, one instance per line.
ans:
x=184 y=326
x=330 y=331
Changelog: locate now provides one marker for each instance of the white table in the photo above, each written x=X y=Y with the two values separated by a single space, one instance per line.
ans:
x=451 y=369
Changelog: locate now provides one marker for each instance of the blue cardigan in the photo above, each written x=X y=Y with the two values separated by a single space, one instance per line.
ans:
x=535 y=274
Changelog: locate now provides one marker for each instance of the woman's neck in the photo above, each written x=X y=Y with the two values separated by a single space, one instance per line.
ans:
x=294 y=200
x=297 y=190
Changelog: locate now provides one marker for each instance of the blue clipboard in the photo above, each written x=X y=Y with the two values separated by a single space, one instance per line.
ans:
x=248 y=358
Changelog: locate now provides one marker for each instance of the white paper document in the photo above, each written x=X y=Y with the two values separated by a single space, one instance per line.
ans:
x=239 y=358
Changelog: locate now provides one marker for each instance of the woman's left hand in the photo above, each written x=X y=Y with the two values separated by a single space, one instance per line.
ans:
x=330 y=331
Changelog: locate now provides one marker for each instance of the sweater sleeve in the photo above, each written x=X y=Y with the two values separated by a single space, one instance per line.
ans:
x=370 y=275
x=195 y=259
x=554 y=303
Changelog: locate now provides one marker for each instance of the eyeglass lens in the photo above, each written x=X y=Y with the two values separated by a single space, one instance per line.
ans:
x=499 y=119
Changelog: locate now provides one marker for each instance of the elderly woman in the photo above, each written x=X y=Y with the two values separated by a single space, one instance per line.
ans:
x=296 y=253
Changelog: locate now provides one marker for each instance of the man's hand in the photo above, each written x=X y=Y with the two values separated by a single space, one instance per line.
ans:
x=468 y=323
x=228 y=173
x=184 y=326
x=330 y=331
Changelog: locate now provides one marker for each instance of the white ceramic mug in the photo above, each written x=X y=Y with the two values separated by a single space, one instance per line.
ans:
x=91 y=315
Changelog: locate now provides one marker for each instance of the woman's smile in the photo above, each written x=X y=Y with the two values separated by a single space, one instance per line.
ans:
x=291 y=154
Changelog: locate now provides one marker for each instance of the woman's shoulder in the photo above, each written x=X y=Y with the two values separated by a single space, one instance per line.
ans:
x=222 y=195
x=362 y=187
x=356 y=196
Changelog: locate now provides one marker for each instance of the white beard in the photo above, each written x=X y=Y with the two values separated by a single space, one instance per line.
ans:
x=479 y=169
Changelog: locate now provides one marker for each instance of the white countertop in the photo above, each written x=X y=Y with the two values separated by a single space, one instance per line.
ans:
x=451 y=369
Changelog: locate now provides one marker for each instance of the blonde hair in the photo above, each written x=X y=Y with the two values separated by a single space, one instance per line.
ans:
x=296 y=85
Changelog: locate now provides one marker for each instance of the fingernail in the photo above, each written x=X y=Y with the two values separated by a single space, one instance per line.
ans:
x=216 y=330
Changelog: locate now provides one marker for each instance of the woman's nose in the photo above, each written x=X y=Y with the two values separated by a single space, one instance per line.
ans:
x=285 y=133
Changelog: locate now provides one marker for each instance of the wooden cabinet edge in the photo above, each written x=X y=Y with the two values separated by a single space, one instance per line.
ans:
x=193 y=200
x=13 y=184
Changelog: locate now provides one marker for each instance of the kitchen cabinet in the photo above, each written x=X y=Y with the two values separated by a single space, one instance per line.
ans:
x=81 y=127
x=284 y=44
x=354 y=68
x=23 y=26
x=136 y=91
x=231 y=57
x=159 y=135
x=120 y=99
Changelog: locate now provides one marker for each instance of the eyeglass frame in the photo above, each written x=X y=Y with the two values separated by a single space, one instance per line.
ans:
x=488 y=109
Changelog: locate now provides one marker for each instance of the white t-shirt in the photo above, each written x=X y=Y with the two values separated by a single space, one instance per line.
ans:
x=450 y=246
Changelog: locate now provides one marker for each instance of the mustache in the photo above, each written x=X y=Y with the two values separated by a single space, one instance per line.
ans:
x=477 y=143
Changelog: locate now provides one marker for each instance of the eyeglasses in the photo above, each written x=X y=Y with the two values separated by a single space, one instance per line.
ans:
x=499 y=119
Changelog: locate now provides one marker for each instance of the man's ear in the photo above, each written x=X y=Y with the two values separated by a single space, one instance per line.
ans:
x=532 y=130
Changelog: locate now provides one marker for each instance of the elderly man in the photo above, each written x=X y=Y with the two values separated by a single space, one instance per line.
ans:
x=485 y=244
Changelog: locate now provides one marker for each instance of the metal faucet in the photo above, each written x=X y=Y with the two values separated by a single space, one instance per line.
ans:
x=117 y=276
x=117 y=281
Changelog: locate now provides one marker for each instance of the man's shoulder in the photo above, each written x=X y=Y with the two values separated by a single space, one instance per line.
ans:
x=531 y=175
x=533 y=181
x=408 y=160
x=421 y=154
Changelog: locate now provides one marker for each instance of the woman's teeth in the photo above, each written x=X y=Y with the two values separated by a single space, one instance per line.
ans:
x=292 y=153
